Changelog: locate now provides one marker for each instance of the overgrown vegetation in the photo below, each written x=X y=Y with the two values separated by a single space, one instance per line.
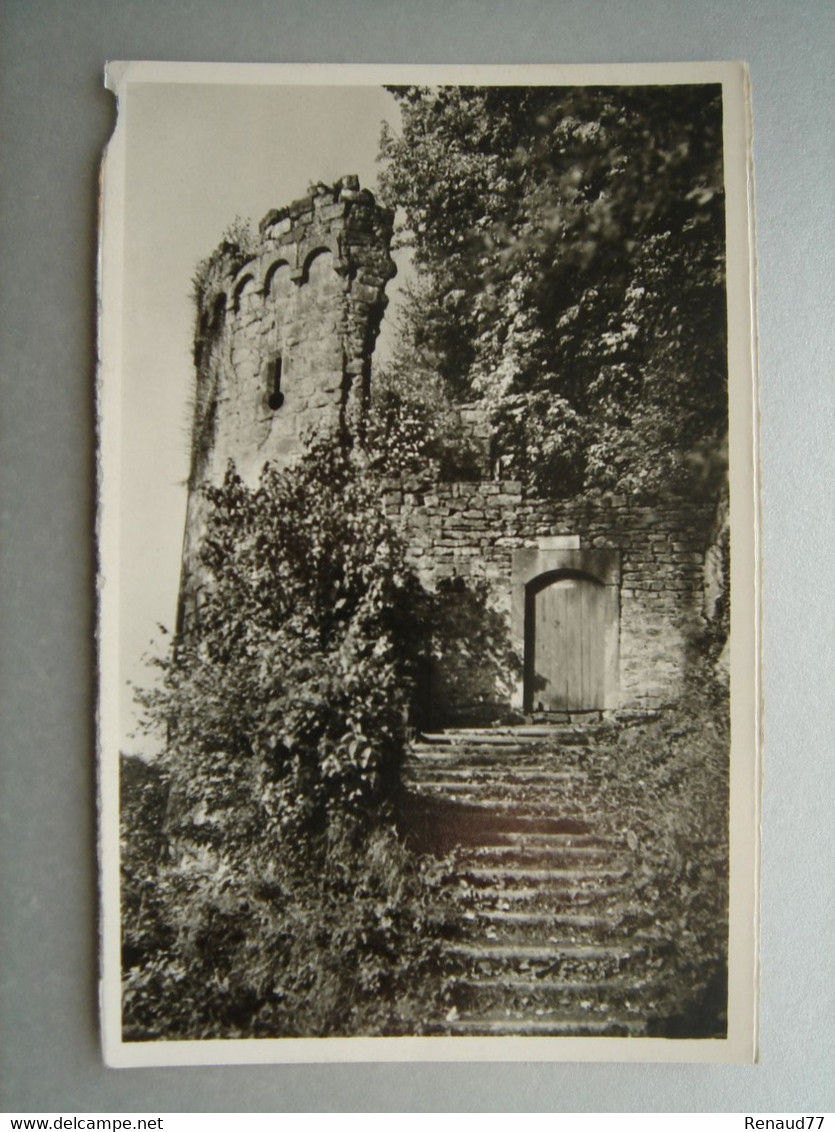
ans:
x=414 y=428
x=237 y=246
x=569 y=248
x=264 y=889
x=665 y=790
x=470 y=667
x=331 y=935
x=570 y=279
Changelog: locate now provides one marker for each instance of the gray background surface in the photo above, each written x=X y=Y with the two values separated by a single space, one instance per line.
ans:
x=55 y=120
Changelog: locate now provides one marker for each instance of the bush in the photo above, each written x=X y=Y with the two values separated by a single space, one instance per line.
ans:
x=285 y=698
x=268 y=895
x=334 y=939
x=413 y=426
x=471 y=666
x=536 y=438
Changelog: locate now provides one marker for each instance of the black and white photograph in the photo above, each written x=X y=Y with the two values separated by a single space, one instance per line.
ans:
x=428 y=641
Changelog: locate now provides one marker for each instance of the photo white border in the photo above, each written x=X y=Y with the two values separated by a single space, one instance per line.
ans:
x=741 y=1043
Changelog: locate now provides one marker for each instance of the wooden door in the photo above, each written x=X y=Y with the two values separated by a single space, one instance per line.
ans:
x=565 y=644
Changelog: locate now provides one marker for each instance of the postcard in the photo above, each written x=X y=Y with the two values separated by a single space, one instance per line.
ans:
x=428 y=628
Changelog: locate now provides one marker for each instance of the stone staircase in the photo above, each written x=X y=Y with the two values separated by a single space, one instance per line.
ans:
x=539 y=889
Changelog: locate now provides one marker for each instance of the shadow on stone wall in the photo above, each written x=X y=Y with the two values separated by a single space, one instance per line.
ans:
x=469 y=668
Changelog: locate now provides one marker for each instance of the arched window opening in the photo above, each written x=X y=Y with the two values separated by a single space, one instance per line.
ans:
x=247 y=281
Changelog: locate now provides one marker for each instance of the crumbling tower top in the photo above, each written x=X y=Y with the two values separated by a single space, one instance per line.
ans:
x=284 y=339
x=286 y=330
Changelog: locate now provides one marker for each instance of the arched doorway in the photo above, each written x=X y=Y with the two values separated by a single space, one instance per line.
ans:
x=566 y=615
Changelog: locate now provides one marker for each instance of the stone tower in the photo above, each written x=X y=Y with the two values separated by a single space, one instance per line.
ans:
x=283 y=345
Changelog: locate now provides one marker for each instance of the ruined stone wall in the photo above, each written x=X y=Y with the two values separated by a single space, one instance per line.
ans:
x=487 y=530
x=284 y=341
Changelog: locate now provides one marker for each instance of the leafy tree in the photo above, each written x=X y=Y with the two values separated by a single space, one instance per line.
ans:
x=569 y=250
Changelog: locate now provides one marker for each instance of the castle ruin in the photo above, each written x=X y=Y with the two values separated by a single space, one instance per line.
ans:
x=283 y=345
x=601 y=597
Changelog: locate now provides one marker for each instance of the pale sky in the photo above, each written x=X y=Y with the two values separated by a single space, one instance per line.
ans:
x=197 y=157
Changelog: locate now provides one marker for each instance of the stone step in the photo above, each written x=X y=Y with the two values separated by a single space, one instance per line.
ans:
x=487 y=744
x=541 y=920
x=584 y=926
x=559 y=790
x=507 y=736
x=440 y=740
x=506 y=876
x=546 y=856
x=570 y=840
x=541 y=955
x=548 y=1025
x=590 y=995
x=565 y=796
x=532 y=838
x=483 y=870
x=547 y=926
x=533 y=801
x=551 y=966
x=522 y=824
x=503 y=756
x=440 y=775
x=583 y=734
x=531 y=805
x=562 y=900
x=560 y=775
